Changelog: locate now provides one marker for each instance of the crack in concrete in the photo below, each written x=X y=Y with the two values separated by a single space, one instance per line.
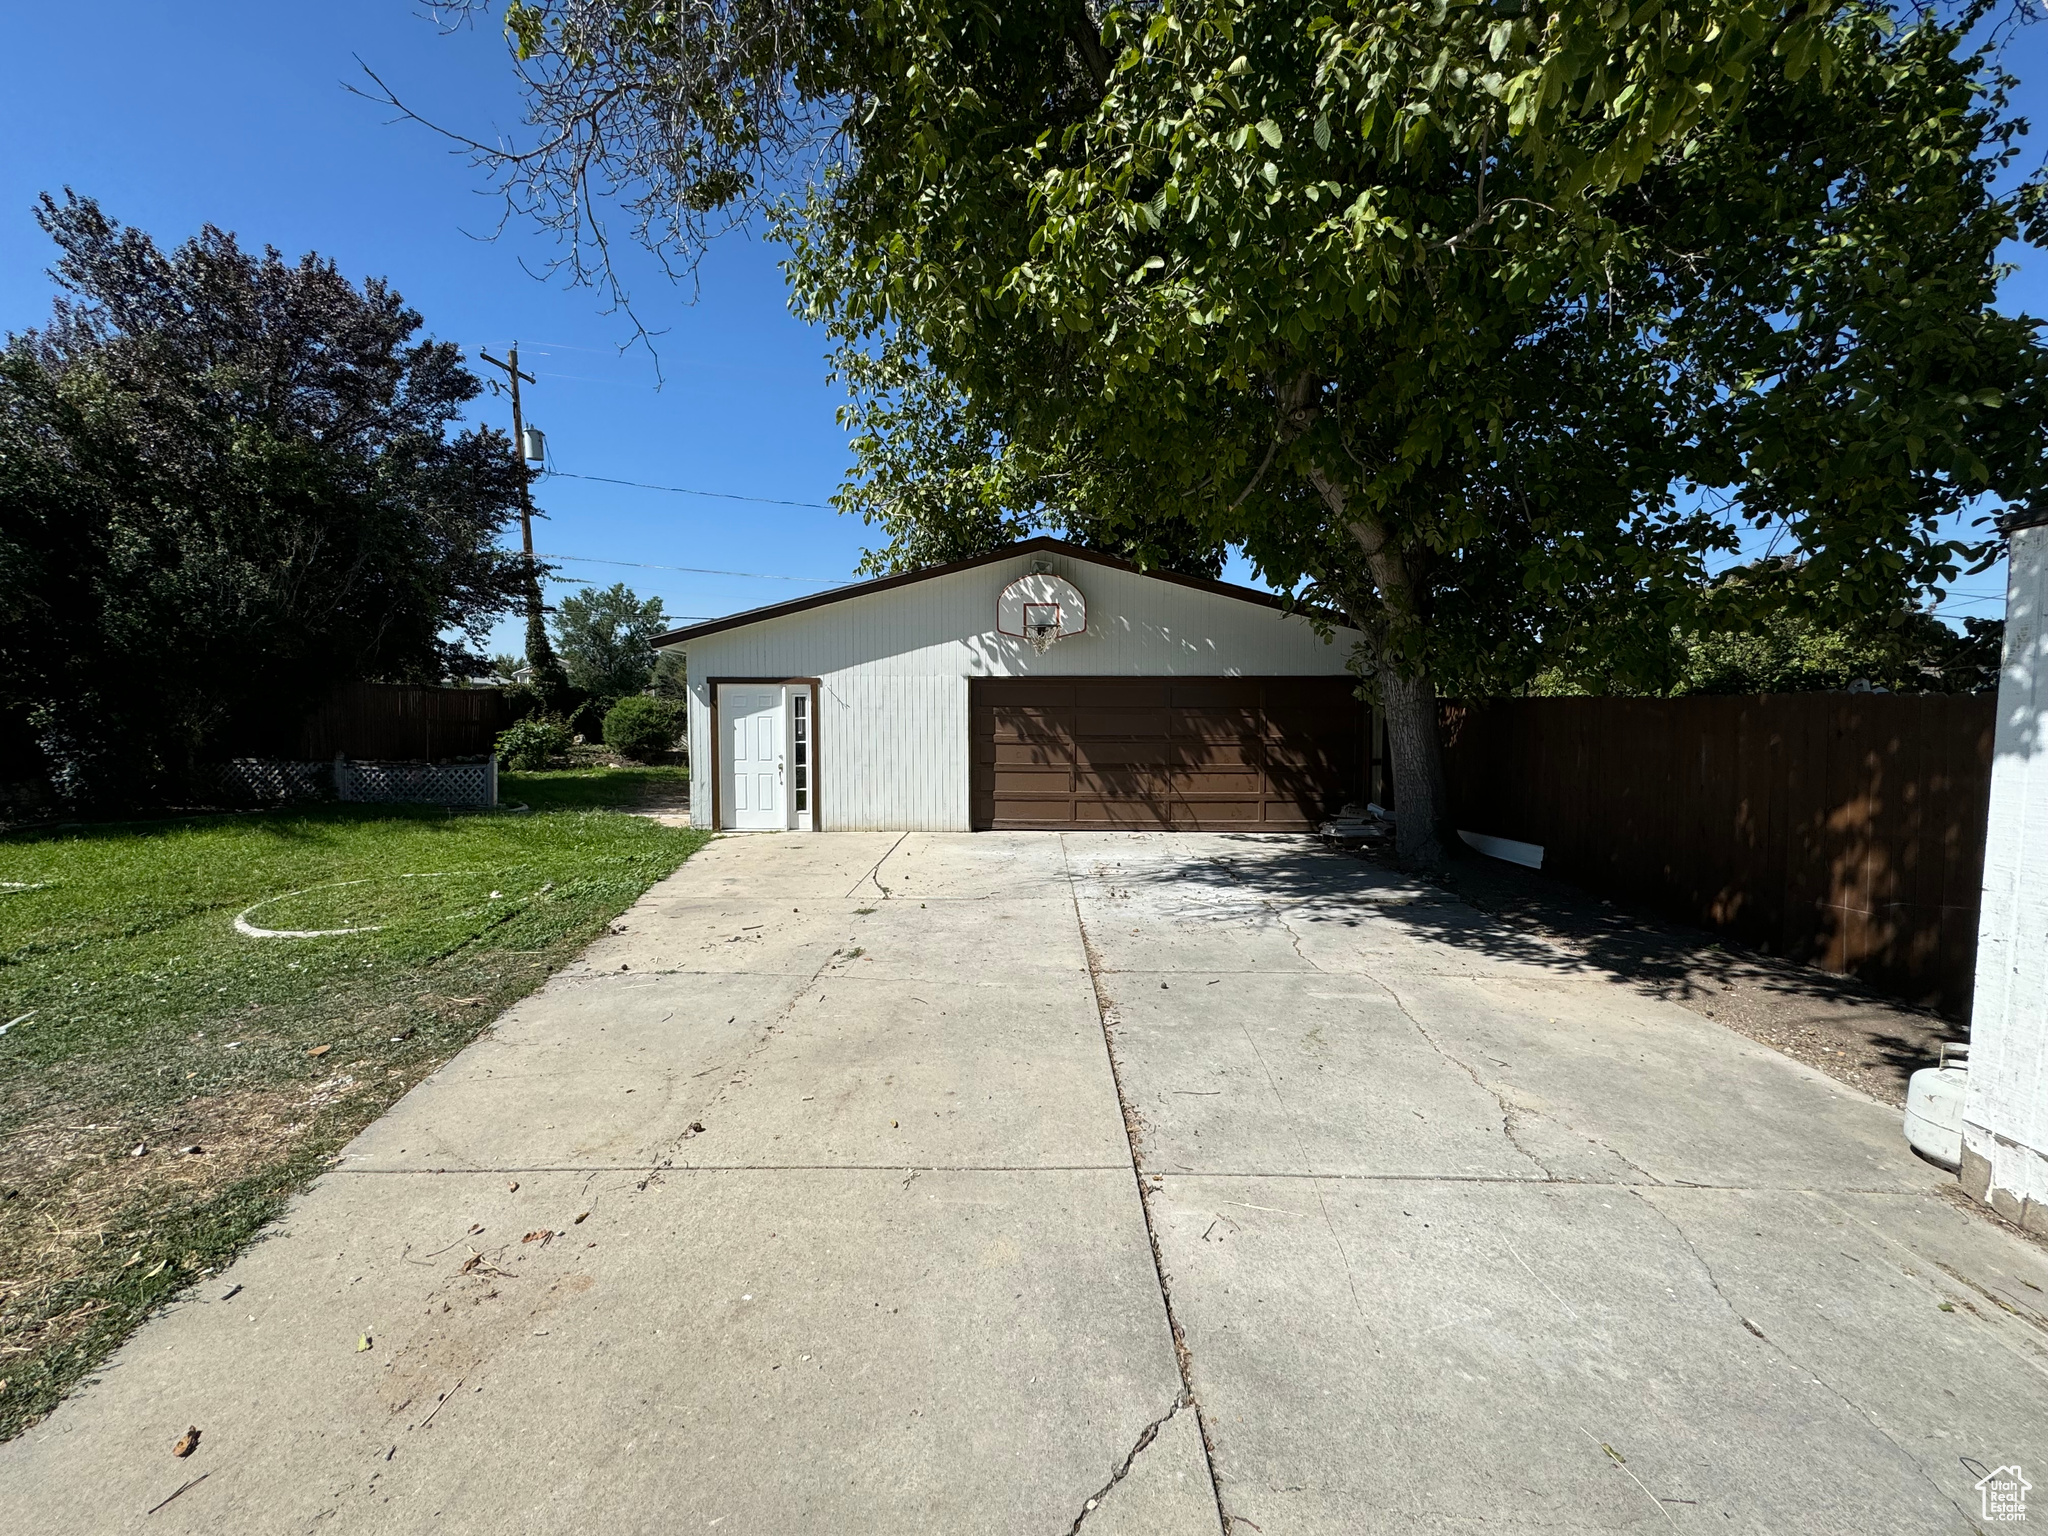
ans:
x=1183 y=1359
x=1869 y=1418
x=665 y=1157
x=1145 y=1438
x=876 y=871
x=1507 y=1111
x=1265 y=901
x=1613 y=1152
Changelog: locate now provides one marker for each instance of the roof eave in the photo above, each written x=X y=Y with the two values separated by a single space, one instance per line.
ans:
x=1044 y=544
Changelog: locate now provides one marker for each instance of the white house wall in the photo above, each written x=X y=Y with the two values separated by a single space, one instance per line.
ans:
x=2005 y=1114
x=892 y=739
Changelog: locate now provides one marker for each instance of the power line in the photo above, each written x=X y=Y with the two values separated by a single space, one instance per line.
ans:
x=682 y=490
x=694 y=570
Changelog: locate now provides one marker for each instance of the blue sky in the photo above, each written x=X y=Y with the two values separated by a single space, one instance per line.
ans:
x=235 y=114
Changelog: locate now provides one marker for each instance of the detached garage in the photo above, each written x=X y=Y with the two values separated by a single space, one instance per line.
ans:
x=1042 y=685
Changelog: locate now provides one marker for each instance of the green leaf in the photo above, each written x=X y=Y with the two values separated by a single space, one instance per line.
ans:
x=1270 y=132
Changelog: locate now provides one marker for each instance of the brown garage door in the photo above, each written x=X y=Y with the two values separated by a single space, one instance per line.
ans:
x=1189 y=754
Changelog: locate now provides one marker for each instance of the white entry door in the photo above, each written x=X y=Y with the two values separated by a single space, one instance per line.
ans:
x=755 y=768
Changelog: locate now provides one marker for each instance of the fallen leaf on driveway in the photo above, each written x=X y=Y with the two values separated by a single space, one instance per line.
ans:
x=580 y=1219
x=362 y=1344
x=188 y=1442
x=470 y=1263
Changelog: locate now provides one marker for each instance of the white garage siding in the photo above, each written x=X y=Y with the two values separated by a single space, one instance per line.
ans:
x=893 y=666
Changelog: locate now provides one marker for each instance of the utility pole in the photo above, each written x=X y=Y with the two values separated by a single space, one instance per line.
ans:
x=539 y=654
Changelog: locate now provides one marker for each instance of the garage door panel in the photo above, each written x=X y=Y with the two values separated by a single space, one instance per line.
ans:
x=1317 y=691
x=1213 y=693
x=1119 y=692
x=1285 y=724
x=1293 y=777
x=1032 y=693
x=1143 y=783
x=1169 y=814
x=1286 y=819
x=1180 y=753
x=1032 y=724
x=1021 y=754
x=1091 y=721
x=1225 y=723
x=1033 y=783
x=1296 y=756
x=1022 y=807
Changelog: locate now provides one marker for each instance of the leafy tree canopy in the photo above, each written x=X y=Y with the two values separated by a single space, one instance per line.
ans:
x=671 y=678
x=935 y=471
x=227 y=483
x=1793 y=652
x=605 y=639
x=1493 y=325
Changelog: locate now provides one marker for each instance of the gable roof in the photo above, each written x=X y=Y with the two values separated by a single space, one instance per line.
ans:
x=1046 y=545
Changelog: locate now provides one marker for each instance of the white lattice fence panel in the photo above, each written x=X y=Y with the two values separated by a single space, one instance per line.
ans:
x=464 y=784
x=266 y=782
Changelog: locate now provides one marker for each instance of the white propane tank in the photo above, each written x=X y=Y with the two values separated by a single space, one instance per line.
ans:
x=1934 y=1107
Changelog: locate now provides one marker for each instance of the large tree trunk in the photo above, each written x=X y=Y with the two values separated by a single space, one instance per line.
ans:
x=1408 y=699
x=1420 y=804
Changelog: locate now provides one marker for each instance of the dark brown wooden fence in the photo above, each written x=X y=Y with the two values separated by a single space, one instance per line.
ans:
x=1842 y=829
x=400 y=722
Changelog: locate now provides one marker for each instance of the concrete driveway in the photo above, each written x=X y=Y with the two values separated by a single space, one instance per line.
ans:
x=1118 y=1183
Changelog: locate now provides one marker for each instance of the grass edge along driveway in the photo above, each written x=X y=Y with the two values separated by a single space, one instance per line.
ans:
x=169 y=1079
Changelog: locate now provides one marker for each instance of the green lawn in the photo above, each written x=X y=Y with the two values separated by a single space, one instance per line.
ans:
x=139 y=1016
x=562 y=789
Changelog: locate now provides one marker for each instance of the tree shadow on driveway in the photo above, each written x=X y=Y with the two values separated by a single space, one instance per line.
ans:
x=1498 y=912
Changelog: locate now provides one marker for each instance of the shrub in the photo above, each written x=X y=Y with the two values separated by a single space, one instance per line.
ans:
x=641 y=727
x=533 y=742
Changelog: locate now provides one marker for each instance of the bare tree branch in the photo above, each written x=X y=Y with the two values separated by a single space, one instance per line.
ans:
x=692 y=120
